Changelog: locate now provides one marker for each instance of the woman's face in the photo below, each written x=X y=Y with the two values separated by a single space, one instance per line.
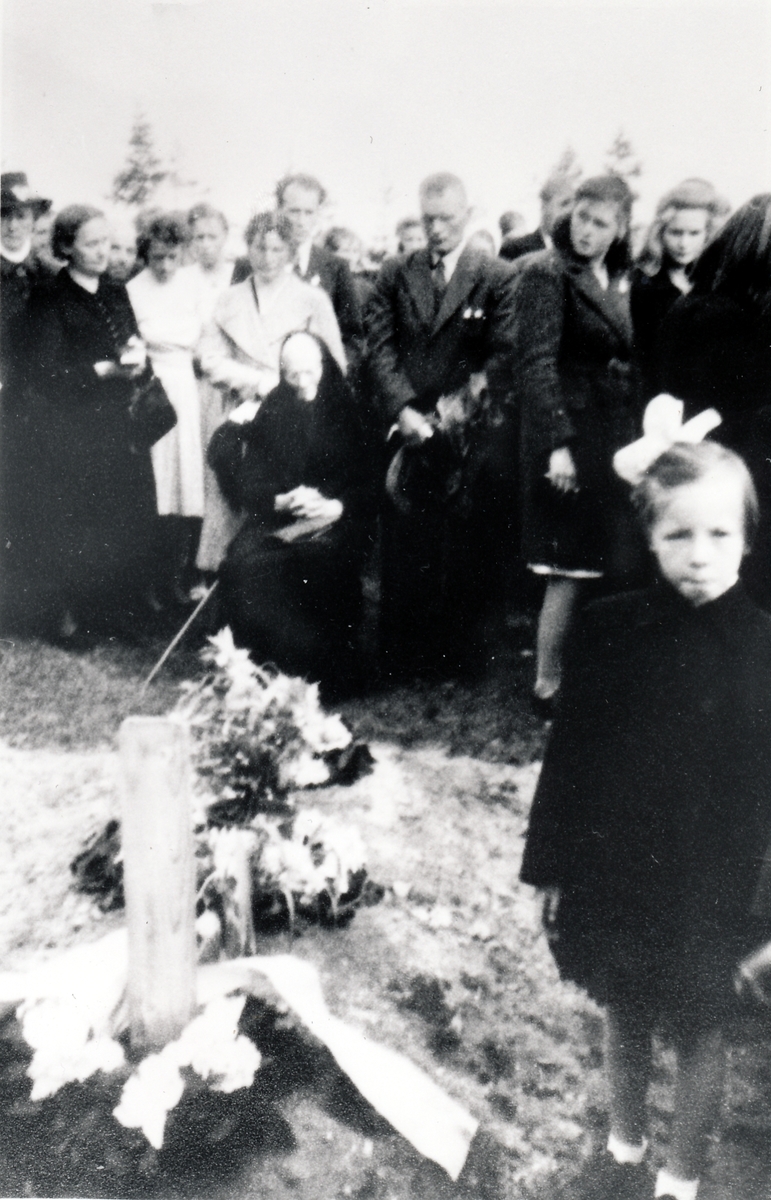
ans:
x=685 y=235
x=269 y=256
x=301 y=366
x=164 y=261
x=594 y=227
x=90 y=250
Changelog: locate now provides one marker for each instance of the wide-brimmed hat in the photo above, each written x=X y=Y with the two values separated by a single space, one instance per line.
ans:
x=15 y=192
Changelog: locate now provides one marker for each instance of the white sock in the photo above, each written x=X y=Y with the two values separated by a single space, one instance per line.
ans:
x=668 y=1184
x=624 y=1152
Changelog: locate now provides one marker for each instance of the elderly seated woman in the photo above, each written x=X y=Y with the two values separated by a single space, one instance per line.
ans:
x=291 y=578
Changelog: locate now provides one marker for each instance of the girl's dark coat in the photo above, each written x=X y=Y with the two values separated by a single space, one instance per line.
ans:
x=653 y=809
x=89 y=526
x=576 y=386
x=296 y=604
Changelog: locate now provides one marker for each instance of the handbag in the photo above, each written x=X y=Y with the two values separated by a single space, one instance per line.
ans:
x=151 y=412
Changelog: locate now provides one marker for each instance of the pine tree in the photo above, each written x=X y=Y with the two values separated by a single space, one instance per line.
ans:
x=621 y=158
x=567 y=167
x=143 y=171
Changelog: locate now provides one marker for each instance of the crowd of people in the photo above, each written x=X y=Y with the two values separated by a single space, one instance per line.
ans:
x=480 y=397
x=289 y=423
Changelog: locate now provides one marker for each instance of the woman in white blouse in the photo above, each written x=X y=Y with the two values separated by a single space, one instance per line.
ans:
x=240 y=349
x=167 y=301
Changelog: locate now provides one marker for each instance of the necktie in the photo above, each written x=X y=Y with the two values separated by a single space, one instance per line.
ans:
x=439 y=280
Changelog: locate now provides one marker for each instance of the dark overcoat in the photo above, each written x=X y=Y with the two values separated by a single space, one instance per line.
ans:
x=297 y=603
x=715 y=352
x=653 y=809
x=576 y=387
x=90 y=531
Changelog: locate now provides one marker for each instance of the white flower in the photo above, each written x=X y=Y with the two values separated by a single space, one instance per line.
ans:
x=149 y=1095
x=211 y=1045
x=66 y=1047
x=306 y=770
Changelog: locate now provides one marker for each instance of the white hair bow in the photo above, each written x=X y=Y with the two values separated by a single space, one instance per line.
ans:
x=662 y=428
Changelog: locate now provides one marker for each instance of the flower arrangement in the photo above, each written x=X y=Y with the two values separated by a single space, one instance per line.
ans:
x=259 y=738
x=257 y=734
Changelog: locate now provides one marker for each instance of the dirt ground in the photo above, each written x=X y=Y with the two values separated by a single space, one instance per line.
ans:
x=450 y=968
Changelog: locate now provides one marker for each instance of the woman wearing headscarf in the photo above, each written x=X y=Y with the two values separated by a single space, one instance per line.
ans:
x=290 y=581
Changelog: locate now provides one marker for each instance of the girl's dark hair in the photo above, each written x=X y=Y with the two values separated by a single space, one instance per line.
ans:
x=611 y=189
x=206 y=212
x=66 y=227
x=268 y=222
x=738 y=262
x=167 y=228
x=687 y=462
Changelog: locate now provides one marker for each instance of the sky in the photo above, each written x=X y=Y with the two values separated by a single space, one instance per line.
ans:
x=372 y=95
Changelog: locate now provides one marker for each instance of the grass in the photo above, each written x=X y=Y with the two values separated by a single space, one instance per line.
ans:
x=450 y=968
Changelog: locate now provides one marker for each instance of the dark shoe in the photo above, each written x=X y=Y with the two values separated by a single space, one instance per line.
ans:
x=602 y=1178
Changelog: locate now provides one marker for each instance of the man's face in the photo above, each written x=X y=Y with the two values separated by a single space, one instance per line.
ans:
x=208 y=241
x=17 y=224
x=301 y=206
x=444 y=216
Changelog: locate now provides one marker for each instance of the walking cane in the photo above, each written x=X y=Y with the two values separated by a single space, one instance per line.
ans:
x=178 y=637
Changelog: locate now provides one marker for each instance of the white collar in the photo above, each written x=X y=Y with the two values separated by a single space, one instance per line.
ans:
x=302 y=256
x=16 y=256
x=89 y=283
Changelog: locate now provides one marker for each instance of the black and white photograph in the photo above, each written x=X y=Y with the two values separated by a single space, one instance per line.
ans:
x=385 y=599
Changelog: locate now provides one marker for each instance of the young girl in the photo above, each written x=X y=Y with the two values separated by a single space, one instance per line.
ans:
x=653 y=809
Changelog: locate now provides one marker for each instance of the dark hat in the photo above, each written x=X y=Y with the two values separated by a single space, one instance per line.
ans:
x=15 y=192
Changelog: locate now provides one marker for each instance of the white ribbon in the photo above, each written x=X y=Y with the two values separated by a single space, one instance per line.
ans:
x=662 y=428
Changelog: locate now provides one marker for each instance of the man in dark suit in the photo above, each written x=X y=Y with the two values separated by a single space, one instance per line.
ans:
x=299 y=198
x=439 y=325
x=556 y=198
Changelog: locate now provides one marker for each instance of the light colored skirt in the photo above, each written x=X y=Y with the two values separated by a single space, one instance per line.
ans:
x=178 y=457
x=220 y=522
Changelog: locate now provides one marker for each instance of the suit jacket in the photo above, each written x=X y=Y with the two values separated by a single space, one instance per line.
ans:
x=515 y=247
x=417 y=355
x=331 y=273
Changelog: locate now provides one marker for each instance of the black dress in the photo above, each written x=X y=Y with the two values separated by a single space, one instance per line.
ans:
x=297 y=603
x=89 y=535
x=577 y=387
x=653 y=809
